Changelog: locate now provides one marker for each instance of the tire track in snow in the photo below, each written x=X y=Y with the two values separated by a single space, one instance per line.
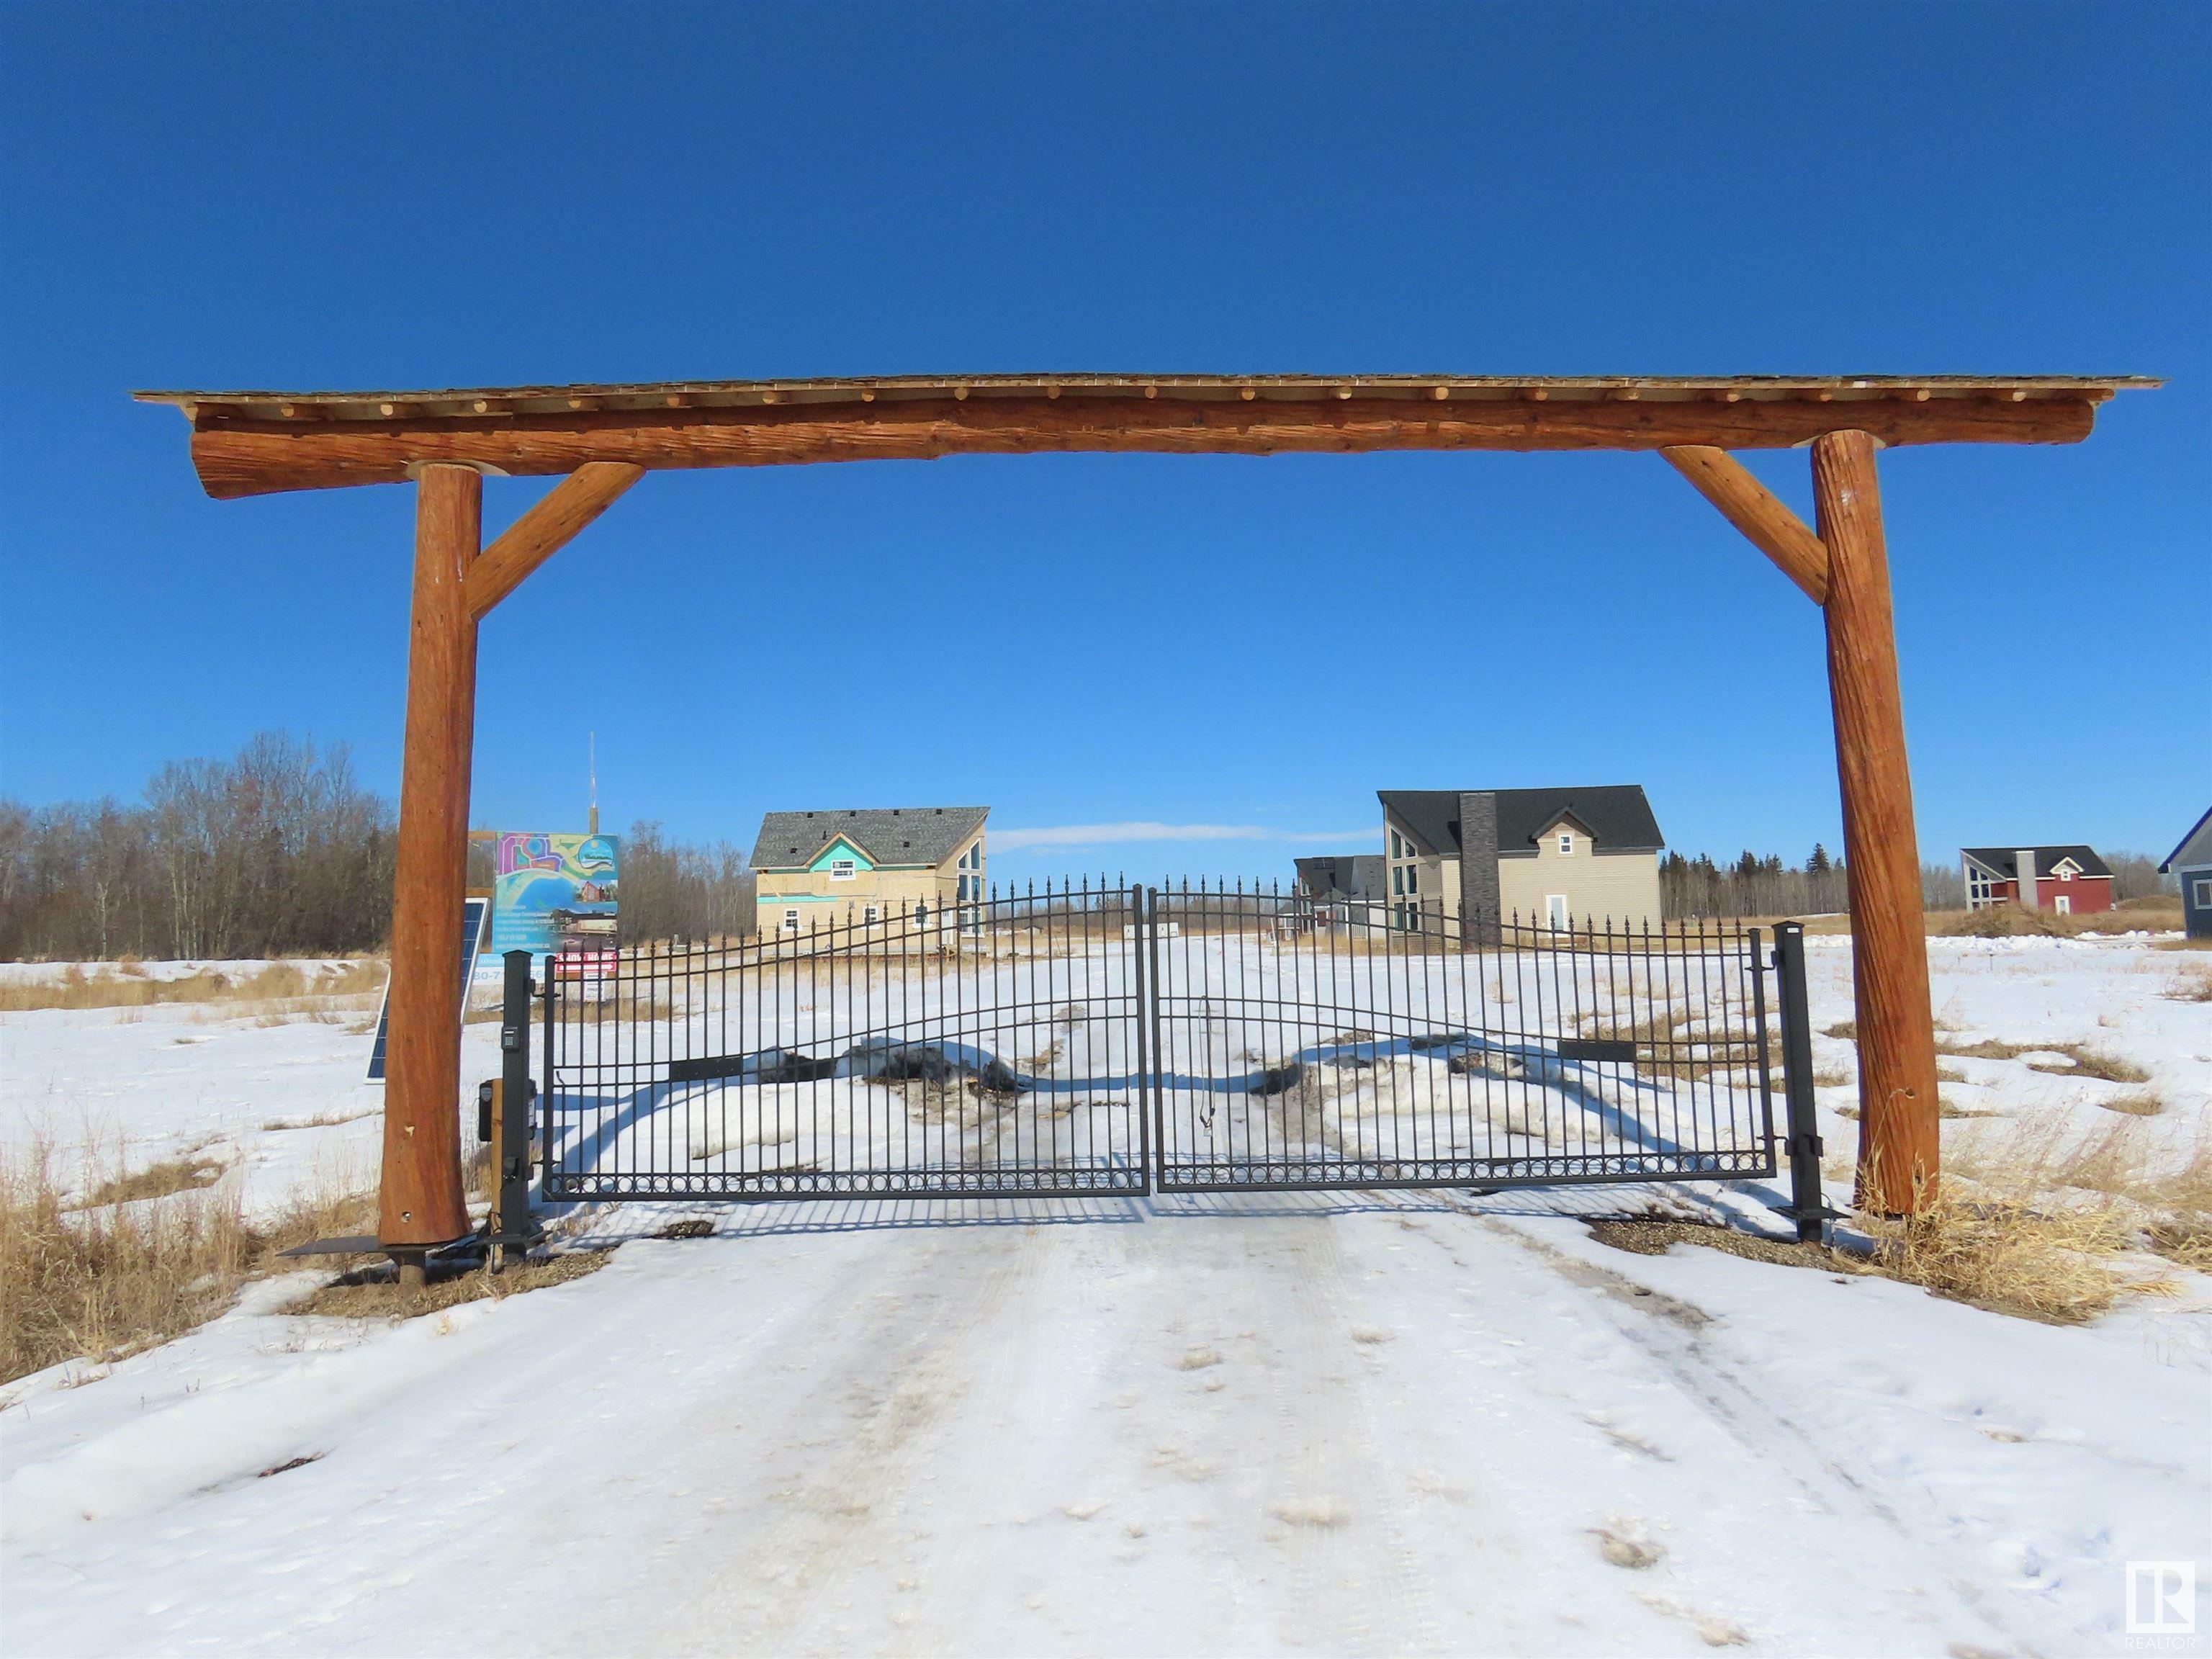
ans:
x=907 y=1365
x=1668 y=1331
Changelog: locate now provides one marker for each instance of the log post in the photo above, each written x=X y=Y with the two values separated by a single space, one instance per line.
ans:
x=1898 y=1146
x=420 y=1198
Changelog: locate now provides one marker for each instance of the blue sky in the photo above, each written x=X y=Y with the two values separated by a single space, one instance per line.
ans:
x=355 y=197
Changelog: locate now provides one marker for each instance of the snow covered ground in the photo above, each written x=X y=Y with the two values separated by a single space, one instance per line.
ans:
x=1410 y=1423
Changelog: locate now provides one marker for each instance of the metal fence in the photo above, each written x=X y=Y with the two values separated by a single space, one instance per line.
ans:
x=1096 y=1038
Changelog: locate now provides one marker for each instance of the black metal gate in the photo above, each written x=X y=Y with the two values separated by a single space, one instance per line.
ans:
x=1362 y=1046
x=1094 y=1038
x=962 y=1049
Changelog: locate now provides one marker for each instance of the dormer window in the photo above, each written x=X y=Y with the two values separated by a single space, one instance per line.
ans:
x=1566 y=843
x=842 y=869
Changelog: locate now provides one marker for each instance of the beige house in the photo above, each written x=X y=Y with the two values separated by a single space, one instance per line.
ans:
x=1553 y=858
x=895 y=867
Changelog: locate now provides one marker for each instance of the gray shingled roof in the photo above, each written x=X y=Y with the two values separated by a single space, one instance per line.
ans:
x=888 y=834
x=2002 y=860
x=1347 y=875
x=1617 y=815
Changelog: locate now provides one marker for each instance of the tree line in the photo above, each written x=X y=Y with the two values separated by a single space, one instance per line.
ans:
x=1752 y=886
x=278 y=850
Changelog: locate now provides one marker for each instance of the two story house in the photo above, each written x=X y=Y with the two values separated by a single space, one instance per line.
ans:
x=1554 y=858
x=2068 y=881
x=895 y=866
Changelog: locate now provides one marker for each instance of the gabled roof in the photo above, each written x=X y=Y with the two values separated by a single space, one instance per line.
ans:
x=2195 y=845
x=888 y=834
x=1617 y=815
x=1343 y=875
x=2001 y=861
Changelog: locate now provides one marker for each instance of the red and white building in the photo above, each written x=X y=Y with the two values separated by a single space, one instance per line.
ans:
x=2068 y=880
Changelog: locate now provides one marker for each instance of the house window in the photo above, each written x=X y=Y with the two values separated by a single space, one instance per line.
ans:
x=2064 y=904
x=791 y=921
x=1413 y=879
x=2065 y=872
x=2204 y=886
x=1555 y=907
x=1566 y=843
x=870 y=914
x=1398 y=881
x=842 y=869
x=920 y=915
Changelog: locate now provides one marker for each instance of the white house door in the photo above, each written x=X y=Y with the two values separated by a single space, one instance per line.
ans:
x=1555 y=905
x=2064 y=902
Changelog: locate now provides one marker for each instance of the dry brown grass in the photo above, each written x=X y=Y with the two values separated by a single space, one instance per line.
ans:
x=98 y=1282
x=375 y=1293
x=1845 y=1030
x=2037 y=1223
x=2010 y=1254
x=1989 y=1048
x=128 y=986
x=2192 y=984
x=2089 y=1062
x=162 y=1180
x=2136 y=1102
x=2158 y=914
x=2049 y=1164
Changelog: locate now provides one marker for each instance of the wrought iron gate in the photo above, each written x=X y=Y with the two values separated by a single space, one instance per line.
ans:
x=1302 y=1046
x=1093 y=1039
x=967 y=1050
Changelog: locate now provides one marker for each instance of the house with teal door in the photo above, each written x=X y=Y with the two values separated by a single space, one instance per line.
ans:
x=895 y=867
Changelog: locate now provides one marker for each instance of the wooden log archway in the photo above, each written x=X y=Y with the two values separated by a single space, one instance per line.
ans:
x=603 y=439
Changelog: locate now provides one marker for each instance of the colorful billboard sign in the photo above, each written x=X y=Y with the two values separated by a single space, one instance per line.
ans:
x=554 y=895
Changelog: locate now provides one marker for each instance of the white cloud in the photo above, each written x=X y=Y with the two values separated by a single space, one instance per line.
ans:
x=1100 y=835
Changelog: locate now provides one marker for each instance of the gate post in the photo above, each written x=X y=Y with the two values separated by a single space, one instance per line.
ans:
x=512 y=1223
x=419 y=1198
x=1808 y=1201
x=1900 y=1139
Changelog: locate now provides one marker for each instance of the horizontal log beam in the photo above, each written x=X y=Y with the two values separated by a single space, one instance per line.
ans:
x=1755 y=510
x=544 y=530
x=238 y=456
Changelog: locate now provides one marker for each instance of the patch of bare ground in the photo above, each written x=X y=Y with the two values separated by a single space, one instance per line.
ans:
x=374 y=1293
x=1652 y=1237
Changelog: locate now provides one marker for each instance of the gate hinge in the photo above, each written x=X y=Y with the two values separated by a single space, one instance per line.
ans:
x=1810 y=1145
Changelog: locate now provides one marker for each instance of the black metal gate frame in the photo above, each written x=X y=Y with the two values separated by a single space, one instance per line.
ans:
x=1168 y=935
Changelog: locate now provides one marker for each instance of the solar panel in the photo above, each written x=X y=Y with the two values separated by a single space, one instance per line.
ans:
x=473 y=915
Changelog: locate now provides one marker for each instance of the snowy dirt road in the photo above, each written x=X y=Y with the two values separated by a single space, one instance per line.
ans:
x=1239 y=1426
